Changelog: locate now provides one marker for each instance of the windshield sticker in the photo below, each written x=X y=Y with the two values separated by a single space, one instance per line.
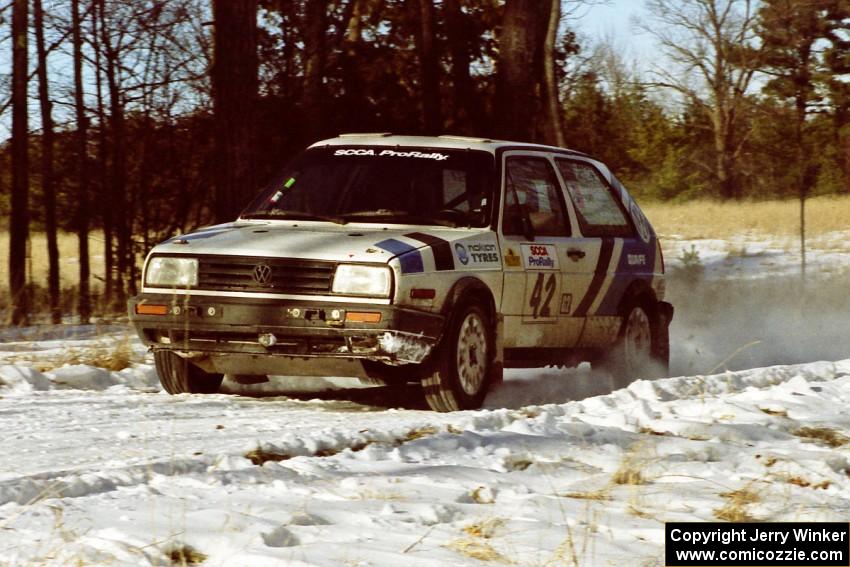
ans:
x=390 y=153
x=539 y=257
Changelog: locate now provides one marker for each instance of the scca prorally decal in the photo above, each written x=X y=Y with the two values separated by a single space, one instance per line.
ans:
x=391 y=153
x=540 y=256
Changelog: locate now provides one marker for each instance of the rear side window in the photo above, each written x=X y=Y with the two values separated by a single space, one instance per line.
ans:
x=599 y=212
x=531 y=189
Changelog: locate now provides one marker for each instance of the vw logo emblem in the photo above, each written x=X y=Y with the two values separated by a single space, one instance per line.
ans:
x=262 y=274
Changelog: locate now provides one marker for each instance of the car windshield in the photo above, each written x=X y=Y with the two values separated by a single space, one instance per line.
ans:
x=405 y=185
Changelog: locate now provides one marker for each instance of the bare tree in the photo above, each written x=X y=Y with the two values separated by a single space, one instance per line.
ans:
x=19 y=221
x=428 y=65
x=48 y=182
x=520 y=41
x=708 y=41
x=315 y=54
x=234 y=79
x=83 y=214
x=554 y=130
x=465 y=108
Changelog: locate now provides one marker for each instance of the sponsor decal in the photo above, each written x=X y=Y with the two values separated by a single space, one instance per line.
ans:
x=390 y=153
x=540 y=257
x=637 y=259
x=512 y=259
x=462 y=255
x=482 y=253
x=566 y=303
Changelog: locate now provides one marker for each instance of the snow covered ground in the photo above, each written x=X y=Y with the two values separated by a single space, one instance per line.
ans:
x=102 y=468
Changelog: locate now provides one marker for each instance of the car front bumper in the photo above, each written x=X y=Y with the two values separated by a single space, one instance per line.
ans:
x=253 y=328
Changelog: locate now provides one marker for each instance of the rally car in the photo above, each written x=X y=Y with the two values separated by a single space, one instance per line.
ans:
x=441 y=260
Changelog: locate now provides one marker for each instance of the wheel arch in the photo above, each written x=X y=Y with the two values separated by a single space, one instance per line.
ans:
x=639 y=292
x=473 y=288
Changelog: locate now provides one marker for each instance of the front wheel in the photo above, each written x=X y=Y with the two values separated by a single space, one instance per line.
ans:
x=461 y=367
x=179 y=376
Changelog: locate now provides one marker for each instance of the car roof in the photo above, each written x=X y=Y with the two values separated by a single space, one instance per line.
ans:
x=446 y=141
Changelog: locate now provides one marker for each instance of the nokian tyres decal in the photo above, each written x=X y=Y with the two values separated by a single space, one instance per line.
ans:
x=408 y=256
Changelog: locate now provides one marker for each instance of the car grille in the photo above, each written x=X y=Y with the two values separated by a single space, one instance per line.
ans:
x=270 y=275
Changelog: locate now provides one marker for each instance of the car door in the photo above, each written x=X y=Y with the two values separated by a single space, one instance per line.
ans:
x=534 y=237
x=597 y=252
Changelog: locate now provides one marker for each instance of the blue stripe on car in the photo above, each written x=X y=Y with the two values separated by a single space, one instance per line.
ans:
x=627 y=273
x=408 y=256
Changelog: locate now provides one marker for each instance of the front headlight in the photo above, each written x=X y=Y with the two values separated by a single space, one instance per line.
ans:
x=164 y=271
x=353 y=279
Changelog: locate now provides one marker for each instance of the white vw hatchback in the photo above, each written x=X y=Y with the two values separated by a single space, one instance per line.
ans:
x=440 y=260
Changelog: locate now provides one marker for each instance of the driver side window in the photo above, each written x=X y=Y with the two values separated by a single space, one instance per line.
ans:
x=532 y=195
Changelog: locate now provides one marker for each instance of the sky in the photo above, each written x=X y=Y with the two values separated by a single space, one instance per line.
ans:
x=614 y=19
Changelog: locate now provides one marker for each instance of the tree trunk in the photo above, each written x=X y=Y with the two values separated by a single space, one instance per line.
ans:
x=118 y=170
x=234 y=82
x=313 y=96
x=428 y=65
x=48 y=185
x=82 y=217
x=19 y=220
x=516 y=81
x=465 y=109
x=554 y=130
x=103 y=164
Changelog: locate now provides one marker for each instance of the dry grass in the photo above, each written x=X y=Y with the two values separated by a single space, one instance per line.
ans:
x=824 y=435
x=415 y=434
x=185 y=555
x=804 y=483
x=477 y=549
x=485 y=528
x=595 y=495
x=630 y=471
x=714 y=219
x=101 y=353
x=736 y=507
x=68 y=257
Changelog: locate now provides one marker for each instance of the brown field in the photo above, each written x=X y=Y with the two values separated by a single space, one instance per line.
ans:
x=69 y=265
x=712 y=219
x=696 y=219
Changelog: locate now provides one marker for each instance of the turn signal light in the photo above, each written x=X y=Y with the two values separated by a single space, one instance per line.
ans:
x=359 y=317
x=149 y=309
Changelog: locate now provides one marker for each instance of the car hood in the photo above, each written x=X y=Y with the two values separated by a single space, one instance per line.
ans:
x=307 y=240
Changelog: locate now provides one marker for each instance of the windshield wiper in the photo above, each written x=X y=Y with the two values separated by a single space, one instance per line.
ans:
x=294 y=215
x=409 y=217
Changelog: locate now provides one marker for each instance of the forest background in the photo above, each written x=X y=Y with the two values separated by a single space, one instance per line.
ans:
x=133 y=120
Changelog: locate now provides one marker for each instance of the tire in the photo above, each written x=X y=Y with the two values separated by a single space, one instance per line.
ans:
x=642 y=349
x=460 y=369
x=179 y=376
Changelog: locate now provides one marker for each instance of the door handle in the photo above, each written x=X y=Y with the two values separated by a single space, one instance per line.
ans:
x=575 y=254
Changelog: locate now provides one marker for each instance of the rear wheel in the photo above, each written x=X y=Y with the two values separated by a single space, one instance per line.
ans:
x=461 y=368
x=179 y=376
x=643 y=347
